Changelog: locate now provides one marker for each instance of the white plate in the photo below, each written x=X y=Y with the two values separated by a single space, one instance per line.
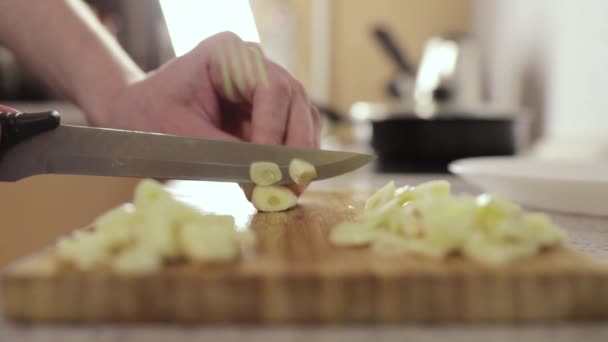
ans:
x=572 y=187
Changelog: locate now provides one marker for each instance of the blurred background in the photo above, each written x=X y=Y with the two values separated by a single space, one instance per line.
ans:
x=418 y=82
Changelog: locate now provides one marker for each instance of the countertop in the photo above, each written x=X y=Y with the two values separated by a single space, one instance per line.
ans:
x=589 y=234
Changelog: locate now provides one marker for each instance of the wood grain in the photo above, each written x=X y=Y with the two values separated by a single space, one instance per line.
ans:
x=295 y=275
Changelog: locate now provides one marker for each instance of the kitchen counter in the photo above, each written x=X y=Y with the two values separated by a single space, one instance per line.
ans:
x=588 y=234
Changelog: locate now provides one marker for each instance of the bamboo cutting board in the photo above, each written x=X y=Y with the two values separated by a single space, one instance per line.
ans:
x=295 y=275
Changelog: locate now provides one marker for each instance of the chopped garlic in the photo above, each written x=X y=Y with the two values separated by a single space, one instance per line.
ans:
x=543 y=229
x=448 y=221
x=85 y=250
x=352 y=234
x=265 y=173
x=116 y=226
x=159 y=234
x=496 y=253
x=149 y=192
x=208 y=243
x=139 y=259
x=301 y=171
x=140 y=238
x=385 y=194
x=273 y=198
x=435 y=189
x=427 y=220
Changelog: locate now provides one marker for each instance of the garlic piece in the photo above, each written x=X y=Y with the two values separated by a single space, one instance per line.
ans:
x=149 y=192
x=545 y=232
x=208 y=243
x=352 y=234
x=159 y=234
x=385 y=194
x=117 y=225
x=226 y=221
x=301 y=171
x=428 y=220
x=496 y=253
x=265 y=173
x=85 y=250
x=136 y=260
x=273 y=198
x=434 y=189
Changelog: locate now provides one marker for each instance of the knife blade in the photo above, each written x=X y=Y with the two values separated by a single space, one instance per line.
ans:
x=78 y=150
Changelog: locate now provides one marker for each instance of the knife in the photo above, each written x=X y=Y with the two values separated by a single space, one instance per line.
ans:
x=34 y=144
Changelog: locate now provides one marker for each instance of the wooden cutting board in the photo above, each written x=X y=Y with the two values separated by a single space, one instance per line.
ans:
x=295 y=275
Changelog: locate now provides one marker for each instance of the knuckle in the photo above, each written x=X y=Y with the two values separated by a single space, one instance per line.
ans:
x=228 y=36
x=299 y=87
x=221 y=38
x=281 y=87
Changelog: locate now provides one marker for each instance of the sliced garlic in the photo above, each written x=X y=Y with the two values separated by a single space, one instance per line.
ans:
x=428 y=220
x=117 y=225
x=385 y=194
x=140 y=238
x=426 y=248
x=226 y=221
x=265 y=173
x=136 y=260
x=435 y=189
x=301 y=171
x=208 y=243
x=159 y=234
x=352 y=234
x=86 y=250
x=273 y=198
x=449 y=221
x=541 y=227
x=405 y=222
x=496 y=253
x=149 y=192
x=389 y=245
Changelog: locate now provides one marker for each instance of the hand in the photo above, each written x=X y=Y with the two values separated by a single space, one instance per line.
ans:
x=223 y=89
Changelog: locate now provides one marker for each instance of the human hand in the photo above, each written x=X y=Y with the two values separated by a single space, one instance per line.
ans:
x=223 y=89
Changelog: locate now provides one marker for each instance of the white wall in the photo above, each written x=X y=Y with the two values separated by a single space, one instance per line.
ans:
x=551 y=56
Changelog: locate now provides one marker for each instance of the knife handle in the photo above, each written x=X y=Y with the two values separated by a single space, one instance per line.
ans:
x=15 y=127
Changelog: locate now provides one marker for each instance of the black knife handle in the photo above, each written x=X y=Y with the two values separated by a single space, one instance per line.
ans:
x=15 y=127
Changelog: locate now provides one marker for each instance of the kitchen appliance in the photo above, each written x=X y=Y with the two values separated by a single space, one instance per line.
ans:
x=33 y=144
x=446 y=118
x=402 y=84
x=294 y=275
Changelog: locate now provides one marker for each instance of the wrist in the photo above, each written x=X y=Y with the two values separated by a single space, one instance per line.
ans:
x=97 y=101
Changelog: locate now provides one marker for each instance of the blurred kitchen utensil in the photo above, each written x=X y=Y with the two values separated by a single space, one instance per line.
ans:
x=405 y=142
x=402 y=84
x=445 y=118
x=449 y=75
x=567 y=186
